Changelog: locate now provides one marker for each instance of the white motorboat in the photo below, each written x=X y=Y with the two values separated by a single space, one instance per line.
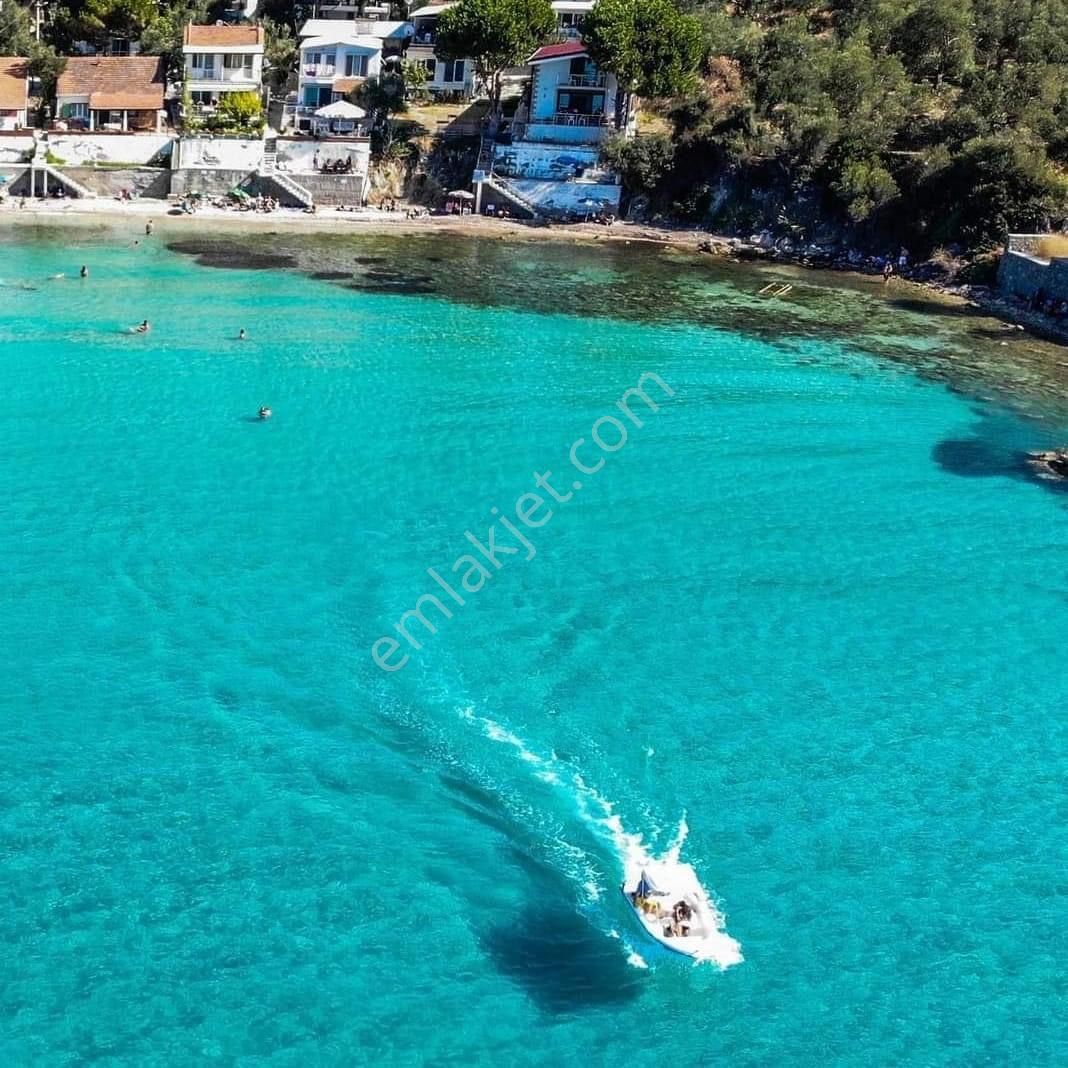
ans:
x=674 y=911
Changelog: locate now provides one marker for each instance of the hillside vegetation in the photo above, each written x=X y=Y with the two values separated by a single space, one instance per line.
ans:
x=921 y=122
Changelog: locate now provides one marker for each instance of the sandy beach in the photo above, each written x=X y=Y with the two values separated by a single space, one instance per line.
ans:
x=366 y=220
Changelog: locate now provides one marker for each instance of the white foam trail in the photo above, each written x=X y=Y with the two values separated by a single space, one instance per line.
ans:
x=722 y=950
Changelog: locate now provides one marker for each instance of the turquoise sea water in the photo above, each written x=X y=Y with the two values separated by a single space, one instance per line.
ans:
x=814 y=606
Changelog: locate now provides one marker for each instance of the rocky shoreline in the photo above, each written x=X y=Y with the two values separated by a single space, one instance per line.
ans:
x=940 y=275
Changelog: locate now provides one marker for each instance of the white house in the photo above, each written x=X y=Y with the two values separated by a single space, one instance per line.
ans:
x=570 y=15
x=393 y=34
x=222 y=59
x=14 y=91
x=444 y=75
x=331 y=66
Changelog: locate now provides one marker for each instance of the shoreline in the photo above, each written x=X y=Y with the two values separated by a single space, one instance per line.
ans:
x=374 y=221
x=366 y=220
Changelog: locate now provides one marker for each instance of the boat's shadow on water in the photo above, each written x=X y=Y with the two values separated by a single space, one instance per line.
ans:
x=563 y=963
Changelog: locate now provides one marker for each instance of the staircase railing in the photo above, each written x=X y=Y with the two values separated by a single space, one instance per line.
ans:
x=64 y=179
x=294 y=188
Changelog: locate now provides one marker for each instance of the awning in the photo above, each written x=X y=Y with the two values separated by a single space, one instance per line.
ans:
x=340 y=109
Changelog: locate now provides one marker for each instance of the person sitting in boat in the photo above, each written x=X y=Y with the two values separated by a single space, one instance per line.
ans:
x=143 y=328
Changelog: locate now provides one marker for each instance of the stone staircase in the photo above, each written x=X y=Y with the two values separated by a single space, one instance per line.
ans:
x=270 y=154
x=289 y=186
x=68 y=183
x=516 y=203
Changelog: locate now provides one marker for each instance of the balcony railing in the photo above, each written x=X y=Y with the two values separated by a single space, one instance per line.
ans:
x=570 y=118
x=318 y=70
x=587 y=81
x=221 y=74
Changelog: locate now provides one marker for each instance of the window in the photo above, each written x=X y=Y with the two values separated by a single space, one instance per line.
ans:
x=241 y=63
x=431 y=66
x=356 y=66
x=454 y=70
x=75 y=111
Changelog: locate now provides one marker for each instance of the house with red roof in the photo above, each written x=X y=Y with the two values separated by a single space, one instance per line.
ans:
x=571 y=101
x=221 y=59
x=548 y=161
x=14 y=92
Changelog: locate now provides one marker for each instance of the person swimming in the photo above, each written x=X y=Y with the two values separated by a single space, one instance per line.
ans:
x=241 y=335
x=84 y=272
x=265 y=412
x=143 y=328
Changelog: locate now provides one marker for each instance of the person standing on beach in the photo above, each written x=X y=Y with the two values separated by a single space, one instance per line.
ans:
x=148 y=228
x=888 y=270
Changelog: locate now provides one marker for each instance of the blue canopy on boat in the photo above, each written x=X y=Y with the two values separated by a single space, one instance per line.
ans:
x=646 y=888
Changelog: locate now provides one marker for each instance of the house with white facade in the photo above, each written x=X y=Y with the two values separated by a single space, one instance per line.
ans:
x=550 y=163
x=444 y=76
x=14 y=92
x=570 y=15
x=394 y=34
x=331 y=67
x=222 y=59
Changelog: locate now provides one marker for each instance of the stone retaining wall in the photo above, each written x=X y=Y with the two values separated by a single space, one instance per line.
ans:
x=1022 y=275
x=151 y=182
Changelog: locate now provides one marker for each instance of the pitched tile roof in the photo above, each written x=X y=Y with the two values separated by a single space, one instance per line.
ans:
x=13 y=75
x=234 y=36
x=558 y=51
x=131 y=82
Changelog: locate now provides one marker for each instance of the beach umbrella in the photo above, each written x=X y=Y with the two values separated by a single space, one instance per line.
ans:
x=460 y=194
x=340 y=109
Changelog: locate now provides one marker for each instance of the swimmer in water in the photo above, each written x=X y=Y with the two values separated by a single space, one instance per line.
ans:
x=84 y=272
x=265 y=413
x=143 y=328
x=241 y=334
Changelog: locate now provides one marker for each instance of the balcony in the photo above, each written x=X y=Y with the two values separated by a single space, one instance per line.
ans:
x=318 y=70
x=586 y=81
x=222 y=75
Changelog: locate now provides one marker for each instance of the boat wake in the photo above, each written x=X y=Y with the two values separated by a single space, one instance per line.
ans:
x=600 y=815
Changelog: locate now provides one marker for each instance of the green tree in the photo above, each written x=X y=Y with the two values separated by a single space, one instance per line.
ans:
x=650 y=46
x=120 y=18
x=935 y=41
x=641 y=162
x=280 y=53
x=416 y=78
x=382 y=98
x=163 y=35
x=16 y=29
x=864 y=186
x=493 y=34
x=238 y=111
